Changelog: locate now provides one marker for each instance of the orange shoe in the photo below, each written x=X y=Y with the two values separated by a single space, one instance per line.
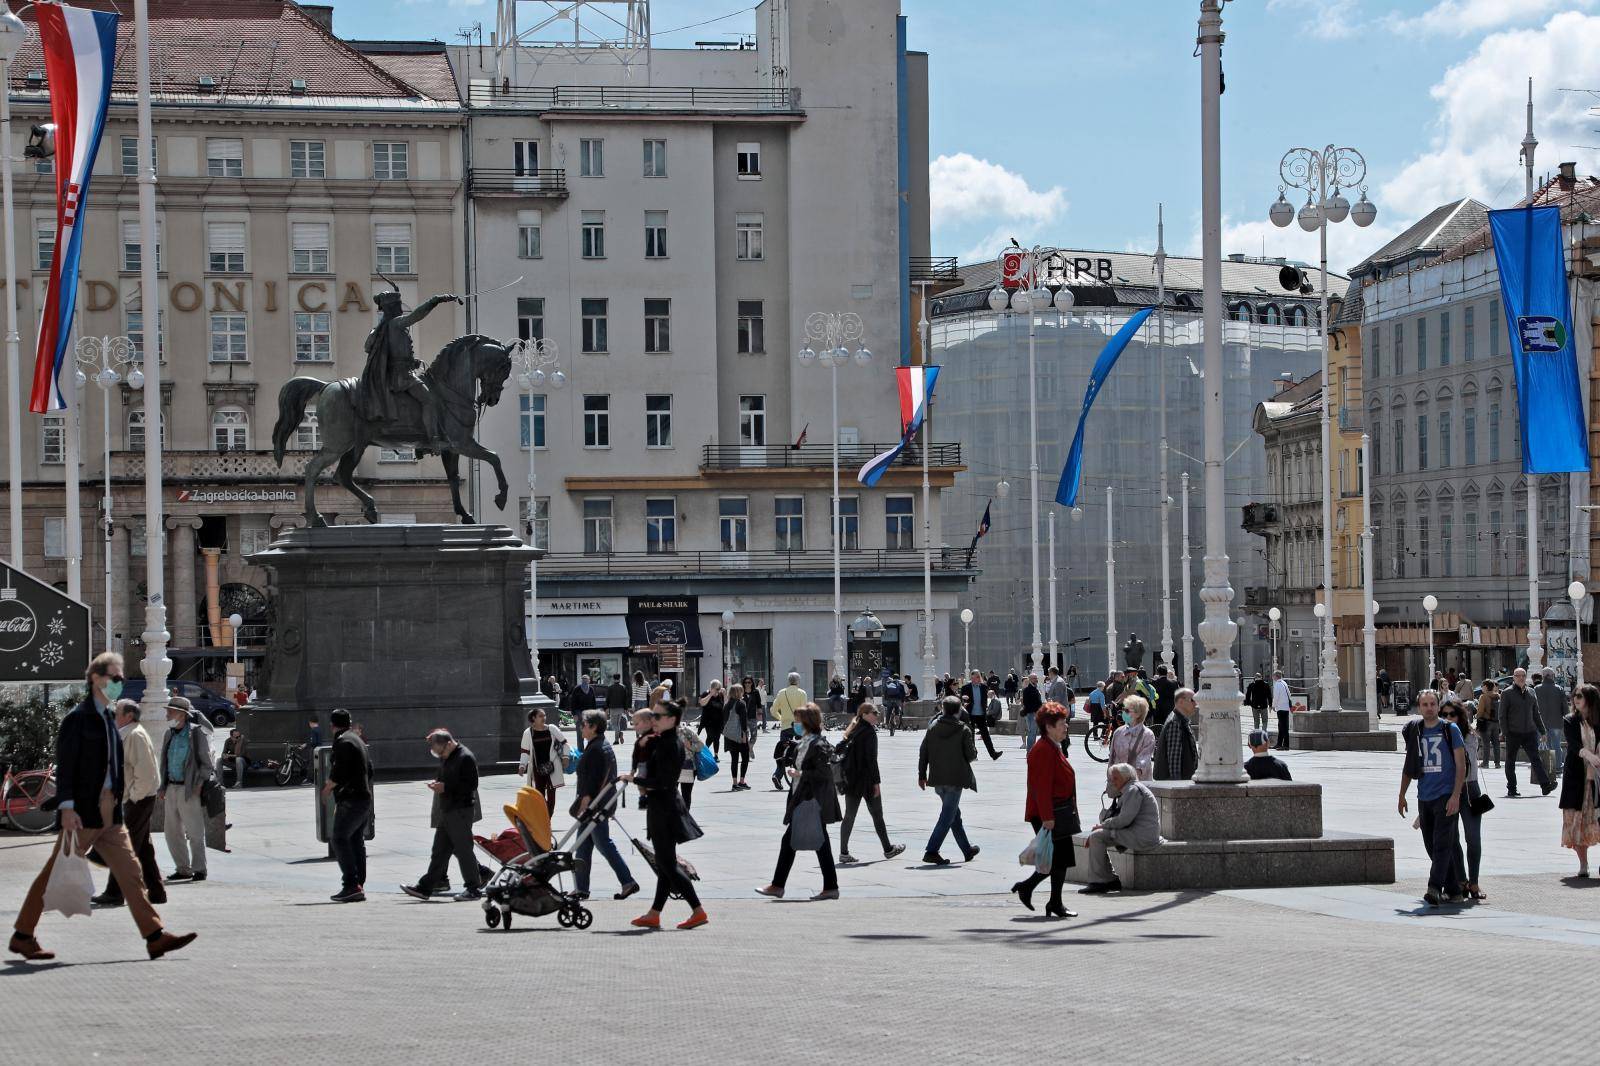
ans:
x=647 y=921
x=695 y=920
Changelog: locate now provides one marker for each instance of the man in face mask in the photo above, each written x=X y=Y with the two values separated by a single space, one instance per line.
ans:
x=186 y=766
x=138 y=804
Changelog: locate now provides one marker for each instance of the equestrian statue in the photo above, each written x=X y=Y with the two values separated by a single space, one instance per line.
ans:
x=395 y=403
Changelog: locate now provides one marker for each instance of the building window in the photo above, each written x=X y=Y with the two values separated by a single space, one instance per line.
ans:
x=53 y=439
x=1296 y=316
x=1397 y=462
x=597 y=421
x=597 y=526
x=130 y=155
x=1469 y=330
x=538 y=530
x=1422 y=346
x=752 y=328
x=1424 y=561
x=898 y=522
x=307 y=159
x=136 y=425
x=658 y=421
x=660 y=526
x=1470 y=536
x=733 y=517
x=753 y=421
x=308 y=434
x=1444 y=438
x=230 y=429
x=310 y=243
x=133 y=245
x=594 y=325
x=1374 y=357
x=594 y=234
x=1444 y=343
x=657 y=326
x=44 y=243
x=55 y=538
x=749 y=157
x=655 y=234
x=136 y=538
x=229 y=334
x=790 y=517
x=1494 y=432
x=1495 y=545
x=225 y=247
x=1271 y=316
x=849 y=523
x=1240 y=312
x=531 y=419
x=135 y=331
x=391 y=160
x=392 y=247
x=748 y=242
x=254 y=536
x=1469 y=435
x=224 y=157
x=1399 y=348
x=530 y=232
x=655 y=159
x=592 y=157
x=530 y=318
x=313 y=337
x=1422 y=442
x=1447 y=543
x=1494 y=327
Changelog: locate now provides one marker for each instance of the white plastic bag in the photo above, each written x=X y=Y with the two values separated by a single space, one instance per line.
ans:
x=1040 y=851
x=71 y=883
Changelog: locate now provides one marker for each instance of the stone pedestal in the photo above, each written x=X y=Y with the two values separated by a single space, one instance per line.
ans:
x=409 y=628
x=1265 y=834
x=1337 y=731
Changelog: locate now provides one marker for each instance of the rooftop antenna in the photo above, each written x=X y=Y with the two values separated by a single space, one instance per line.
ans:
x=614 y=29
x=1529 y=143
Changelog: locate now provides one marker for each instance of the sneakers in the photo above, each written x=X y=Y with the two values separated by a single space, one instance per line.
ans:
x=416 y=893
x=893 y=850
x=933 y=858
x=467 y=895
x=846 y=859
x=106 y=900
x=199 y=875
x=354 y=895
x=627 y=890
x=179 y=876
x=164 y=942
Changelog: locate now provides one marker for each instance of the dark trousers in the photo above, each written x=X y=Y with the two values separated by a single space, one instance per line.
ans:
x=453 y=836
x=741 y=760
x=136 y=820
x=874 y=808
x=830 y=876
x=1283 y=729
x=1529 y=743
x=686 y=788
x=1489 y=741
x=1443 y=842
x=980 y=725
x=349 y=840
x=1472 y=829
x=1060 y=860
x=668 y=878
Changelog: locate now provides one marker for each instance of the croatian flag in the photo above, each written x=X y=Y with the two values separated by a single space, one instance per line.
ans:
x=916 y=389
x=80 y=49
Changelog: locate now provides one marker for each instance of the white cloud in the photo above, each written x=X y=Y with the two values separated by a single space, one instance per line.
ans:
x=974 y=200
x=1462 y=18
x=1347 y=243
x=1482 y=101
x=1328 y=20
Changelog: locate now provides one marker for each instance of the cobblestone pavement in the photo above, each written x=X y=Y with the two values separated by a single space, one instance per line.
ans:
x=913 y=965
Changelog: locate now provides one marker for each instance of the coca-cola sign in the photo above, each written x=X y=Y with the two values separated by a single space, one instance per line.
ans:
x=44 y=634
x=17 y=625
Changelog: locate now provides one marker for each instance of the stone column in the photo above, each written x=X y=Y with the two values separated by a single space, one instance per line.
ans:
x=185 y=631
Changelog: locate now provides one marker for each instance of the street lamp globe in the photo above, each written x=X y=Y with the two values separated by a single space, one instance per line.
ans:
x=1336 y=206
x=558 y=379
x=1274 y=614
x=1064 y=299
x=524 y=379
x=727 y=618
x=107 y=378
x=1002 y=488
x=966 y=616
x=136 y=379
x=1021 y=302
x=12 y=34
x=1310 y=217
x=1077 y=514
x=1320 y=610
x=1576 y=592
x=807 y=356
x=79 y=378
x=863 y=356
x=1281 y=212
x=1040 y=298
x=235 y=620
x=1374 y=606
x=1363 y=212
x=1430 y=603
x=998 y=298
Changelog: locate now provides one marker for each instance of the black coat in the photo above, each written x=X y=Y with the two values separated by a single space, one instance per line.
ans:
x=582 y=700
x=1573 y=767
x=663 y=760
x=459 y=773
x=861 y=772
x=82 y=750
x=815 y=782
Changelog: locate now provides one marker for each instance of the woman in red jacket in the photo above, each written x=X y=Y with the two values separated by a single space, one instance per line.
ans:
x=1052 y=804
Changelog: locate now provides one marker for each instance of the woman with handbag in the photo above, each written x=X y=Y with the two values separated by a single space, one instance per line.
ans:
x=737 y=736
x=1133 y=742
x=863 y=780
x=1474 y=803
x=542 y=761
x=713 y=715
x=692 y=746
x=667 y=821
x=1580 y=777
x=812 y=805
x=1052 y=804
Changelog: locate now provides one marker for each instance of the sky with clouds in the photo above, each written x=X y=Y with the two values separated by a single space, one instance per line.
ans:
x=1067 y=121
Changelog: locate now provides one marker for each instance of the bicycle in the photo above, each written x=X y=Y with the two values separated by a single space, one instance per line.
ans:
x=1097 y=742
x=22 y=800
x=292 y=769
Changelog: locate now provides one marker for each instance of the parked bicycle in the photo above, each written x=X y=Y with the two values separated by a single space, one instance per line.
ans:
x=22 y=800
x=1097 y=742
x=291 y=769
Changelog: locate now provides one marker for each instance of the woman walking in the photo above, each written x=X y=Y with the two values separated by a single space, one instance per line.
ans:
x=812 y=803
x=1052 y=804
x=1463 y=716
x=692 y=745
x=737 y=736
x=543 y=759
x=862 y=781
x=713 y=714
x=1580 y=777
x=666 y=819
x=1133 y=743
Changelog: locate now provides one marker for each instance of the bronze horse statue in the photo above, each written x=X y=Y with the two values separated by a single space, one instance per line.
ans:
x=469 y=374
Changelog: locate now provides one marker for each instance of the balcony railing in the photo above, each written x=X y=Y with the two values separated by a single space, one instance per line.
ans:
x=811 y=456
x=1350 y=418
x=934 y=269
x=210 y=465
x=522 y=182
x=815 y=561
x=633 y=98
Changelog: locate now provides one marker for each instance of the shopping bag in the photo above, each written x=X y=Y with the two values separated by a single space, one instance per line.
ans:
x=1044 y=851
x=805 y=827
x=71 y=883
x=1028 y=853
x=705 y=764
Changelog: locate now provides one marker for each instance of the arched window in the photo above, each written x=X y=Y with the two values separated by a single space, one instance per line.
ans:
x=1240 y=312
x=136 y=430
x=308 y=435
x=1271 y=316
x=1297 y=316
x=230 y=429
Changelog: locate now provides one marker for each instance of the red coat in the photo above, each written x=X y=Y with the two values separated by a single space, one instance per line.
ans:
x=1050 y=779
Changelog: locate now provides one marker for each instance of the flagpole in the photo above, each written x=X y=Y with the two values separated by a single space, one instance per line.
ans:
x=1183 y=559
x=1535 y=634
x=74 y=530
x=14 y=33
x=1054 y=645
x=925 y=328
x=1111 y=587
x=1166 y=501
x=1037 y=651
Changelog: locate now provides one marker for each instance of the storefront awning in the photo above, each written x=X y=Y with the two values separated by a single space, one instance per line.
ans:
x=598 y=632
x=665 y=629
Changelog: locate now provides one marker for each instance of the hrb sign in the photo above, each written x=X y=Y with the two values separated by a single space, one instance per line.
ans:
x=1018 y=269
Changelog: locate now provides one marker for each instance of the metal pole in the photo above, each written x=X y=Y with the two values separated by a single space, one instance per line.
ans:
x=1535 y=633
x=838 y=607
x=925 y=329
x=533 y=563
x=156 y=665
x=1033 y=467
x=1369 y=632
x=1188 y=628
x=1219 y=696
x=1431 y=667
x=1161 y=378
x=1330 y=651
x=106 y=527
x=1111 y=587
x=966 y=649
x=1054 y=645
x=71 y=473
x=13 y=344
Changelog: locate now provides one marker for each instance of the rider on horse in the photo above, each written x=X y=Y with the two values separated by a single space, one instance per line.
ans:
x=392 y=367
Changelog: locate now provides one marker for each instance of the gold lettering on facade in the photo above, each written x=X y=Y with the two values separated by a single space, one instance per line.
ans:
x=272 y=296
x=300 y=296
x=220 y=293
x=189 y=302
x=352 y=295
x=102 y=297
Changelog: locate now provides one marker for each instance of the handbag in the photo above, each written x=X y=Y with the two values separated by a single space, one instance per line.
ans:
x=705 y=765
x=1065 y=815
x=213 y=797
x=71 y=882
x=805 y=827
x=1478 y=800
x=688 y=829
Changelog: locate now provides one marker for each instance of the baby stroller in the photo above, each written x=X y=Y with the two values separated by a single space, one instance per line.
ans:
x=527 y=882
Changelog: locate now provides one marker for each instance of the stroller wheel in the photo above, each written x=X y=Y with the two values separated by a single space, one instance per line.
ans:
x=583 y=918
x=491 y=917
x=565 y=917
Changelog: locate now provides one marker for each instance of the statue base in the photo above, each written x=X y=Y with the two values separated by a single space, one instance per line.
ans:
x=1338 y=731
x=409 y=628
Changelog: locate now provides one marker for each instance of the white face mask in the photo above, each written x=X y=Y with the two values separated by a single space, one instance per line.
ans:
x=175 y=723
x=124 y=730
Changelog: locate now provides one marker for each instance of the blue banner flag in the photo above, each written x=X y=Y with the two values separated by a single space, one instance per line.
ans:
x=1072 y=473
x=1533 y=288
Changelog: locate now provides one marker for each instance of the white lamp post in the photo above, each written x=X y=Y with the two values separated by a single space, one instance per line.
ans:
x=727 y=648
x=966 y=641
x=1314 y=170
x=234 y=622
x=1183 y=560
x=12 y=34
x=1273 y=614
x=1054 y=645
x=1321 y=611
x=1161 y=380
x=1111 y=587
x=1576 y=592
x=1369 y=630
x=107 y=359
x=541 y=366
x=1535 y=631
x=1430 y=603
x=835 y=331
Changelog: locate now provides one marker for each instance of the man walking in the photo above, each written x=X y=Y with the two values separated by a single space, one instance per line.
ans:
x=1166 y=695
x=945 y=762
x=90 y=784
x=350 y=784
x=1032 y=700
x=457 y=788
x=975 y=694
x=1258 y=695
x=1282 y=703
x=140 y=778
x=619 y=703
x=1520 y=719
x=583 y=697
x=1056 y=689
x=1177 y=753
x=1132 y=821
x=1488 y=723
x=1436 y=758
x=787 y=701
x=597 y=772
x=186 y=766
x=1552 y=700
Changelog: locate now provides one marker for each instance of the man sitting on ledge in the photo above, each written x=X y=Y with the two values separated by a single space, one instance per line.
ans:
x=1132 y=821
